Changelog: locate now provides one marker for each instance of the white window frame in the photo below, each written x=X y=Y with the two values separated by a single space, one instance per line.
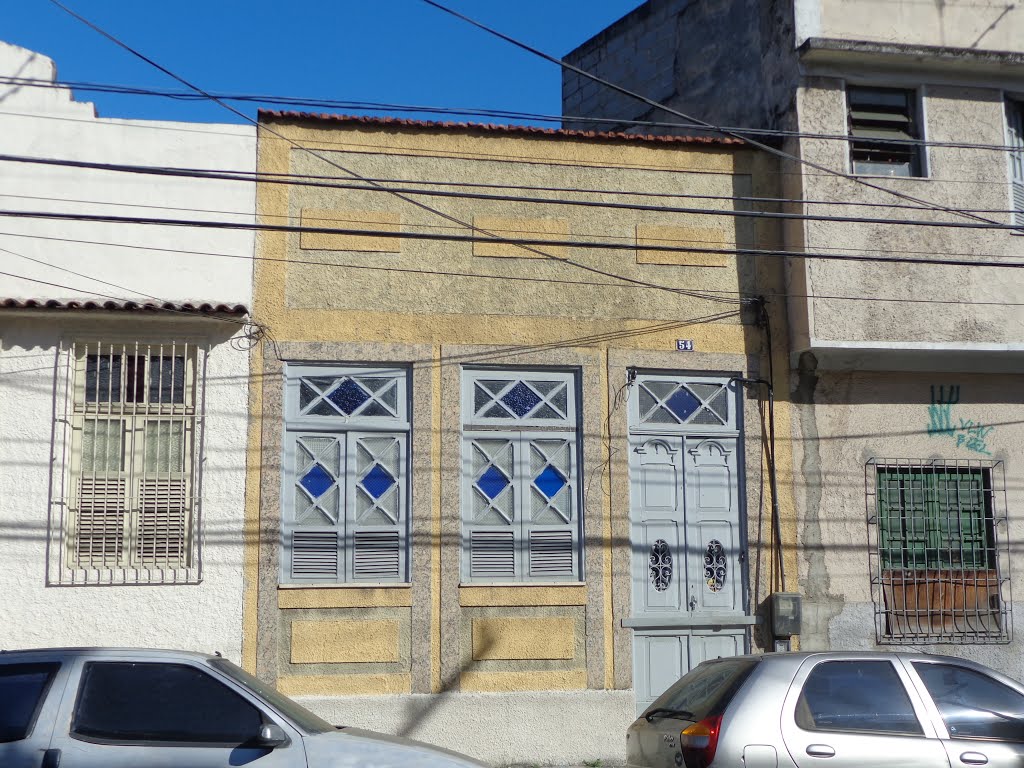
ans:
x=348 y=551
x=132 y=515
x=1015 y=138
x=512 y=546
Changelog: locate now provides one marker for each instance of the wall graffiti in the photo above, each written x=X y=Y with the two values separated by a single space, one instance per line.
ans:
x=943 y=422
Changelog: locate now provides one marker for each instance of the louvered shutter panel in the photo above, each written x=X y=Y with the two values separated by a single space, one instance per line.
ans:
x=1015 y=121
x=492 y=554
x=163 y=522
x=100 y=522
x=551 y=553
x=376 y=556
x=313 y=555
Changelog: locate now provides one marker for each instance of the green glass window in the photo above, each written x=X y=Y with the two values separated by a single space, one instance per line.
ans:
x=935 y=518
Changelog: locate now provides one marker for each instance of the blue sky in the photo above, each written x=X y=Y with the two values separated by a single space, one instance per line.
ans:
x=393 y=51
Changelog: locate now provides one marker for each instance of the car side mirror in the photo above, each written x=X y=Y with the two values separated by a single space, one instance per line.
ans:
x=272 y=736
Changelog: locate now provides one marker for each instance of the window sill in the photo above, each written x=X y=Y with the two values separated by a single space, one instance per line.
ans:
x=877 y=176
x=349 y=585
x=525 y=584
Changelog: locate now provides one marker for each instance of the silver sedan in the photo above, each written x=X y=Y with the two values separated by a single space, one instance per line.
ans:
x=798 y=710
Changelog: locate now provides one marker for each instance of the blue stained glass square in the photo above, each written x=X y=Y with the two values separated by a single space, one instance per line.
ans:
x=550 y=481
x=348 y=396
x=492 y=482
x=683 y=403
x=378 y=481
x=317 y=481
x=521 y=399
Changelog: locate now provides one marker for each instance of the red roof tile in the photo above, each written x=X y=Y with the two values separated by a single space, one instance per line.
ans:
x=524 y=130
x=125 y=305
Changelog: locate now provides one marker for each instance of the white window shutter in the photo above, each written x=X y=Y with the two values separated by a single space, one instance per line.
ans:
x=163 y=522
x=100 y=522
x=1015 y=123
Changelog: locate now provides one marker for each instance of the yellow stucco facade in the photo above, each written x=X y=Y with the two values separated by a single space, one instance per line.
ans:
x=511 y=249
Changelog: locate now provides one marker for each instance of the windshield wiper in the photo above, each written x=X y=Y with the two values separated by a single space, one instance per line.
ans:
x=681 y=714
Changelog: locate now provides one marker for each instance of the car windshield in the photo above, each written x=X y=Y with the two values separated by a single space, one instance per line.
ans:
x=706 y=689
x=298 y=714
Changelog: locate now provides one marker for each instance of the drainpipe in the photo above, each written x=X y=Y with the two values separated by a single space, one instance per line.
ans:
x=772 y=480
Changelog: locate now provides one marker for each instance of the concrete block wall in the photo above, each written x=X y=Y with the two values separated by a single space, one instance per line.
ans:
x=727 y=62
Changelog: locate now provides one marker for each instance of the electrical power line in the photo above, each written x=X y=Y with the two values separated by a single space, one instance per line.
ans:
x=494 y=276
x=399 y=195
x=696 y=121
x=372 y=106
x=179 y=128
x=422 y=191
x=529 y=244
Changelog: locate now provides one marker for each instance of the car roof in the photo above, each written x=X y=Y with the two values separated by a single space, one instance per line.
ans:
x=113 y=652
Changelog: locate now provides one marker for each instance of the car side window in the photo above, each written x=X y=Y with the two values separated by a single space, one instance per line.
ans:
x=130 y=702
x=22 y=690
x=972 y=704
x=856 y=695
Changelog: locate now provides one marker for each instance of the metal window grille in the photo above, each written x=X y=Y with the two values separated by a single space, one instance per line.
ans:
x=939 y=551
x=131 y=510
x=883 y=125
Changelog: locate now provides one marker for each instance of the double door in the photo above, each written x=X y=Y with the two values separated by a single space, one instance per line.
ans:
x=685 y=534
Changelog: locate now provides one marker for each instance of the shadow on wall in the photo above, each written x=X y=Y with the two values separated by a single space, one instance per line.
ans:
x=6 y=94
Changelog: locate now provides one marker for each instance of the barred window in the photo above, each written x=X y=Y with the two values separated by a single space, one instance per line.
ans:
x=940 y=551
x=133 y=507
x=520 y=490
x=345 y=504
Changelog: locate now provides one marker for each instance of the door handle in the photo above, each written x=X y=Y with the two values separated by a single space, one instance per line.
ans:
x=820 y=750
x=51 y=758
x=693 y=602
x=973 y=758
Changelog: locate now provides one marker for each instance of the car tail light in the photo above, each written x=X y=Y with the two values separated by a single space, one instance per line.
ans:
x=699 y=742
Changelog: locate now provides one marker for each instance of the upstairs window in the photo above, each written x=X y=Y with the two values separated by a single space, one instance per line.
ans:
x=883 y=126
x=940 y=548
x=1015 y=138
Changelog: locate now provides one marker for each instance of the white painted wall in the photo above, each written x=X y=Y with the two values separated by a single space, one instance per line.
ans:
x=45 y=123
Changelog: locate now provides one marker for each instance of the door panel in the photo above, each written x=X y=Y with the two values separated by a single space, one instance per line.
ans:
x=30 y=696
x=658 y=581
x=127 y=714
x=712 y=516
x=855 y=712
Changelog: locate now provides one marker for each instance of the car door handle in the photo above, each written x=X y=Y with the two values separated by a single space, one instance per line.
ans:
x=973 y=758
x=51 y=759
x=820 y=750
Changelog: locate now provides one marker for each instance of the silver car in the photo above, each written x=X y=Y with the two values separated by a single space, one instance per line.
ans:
x=107 y=708
x=798 y=710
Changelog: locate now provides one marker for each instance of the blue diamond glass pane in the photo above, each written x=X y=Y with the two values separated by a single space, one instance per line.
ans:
x=348 y=396
x=317 y=481
x=377 y=481
x=521 y=399
x=492 y=482
x=550 y=481
x=683 y=403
